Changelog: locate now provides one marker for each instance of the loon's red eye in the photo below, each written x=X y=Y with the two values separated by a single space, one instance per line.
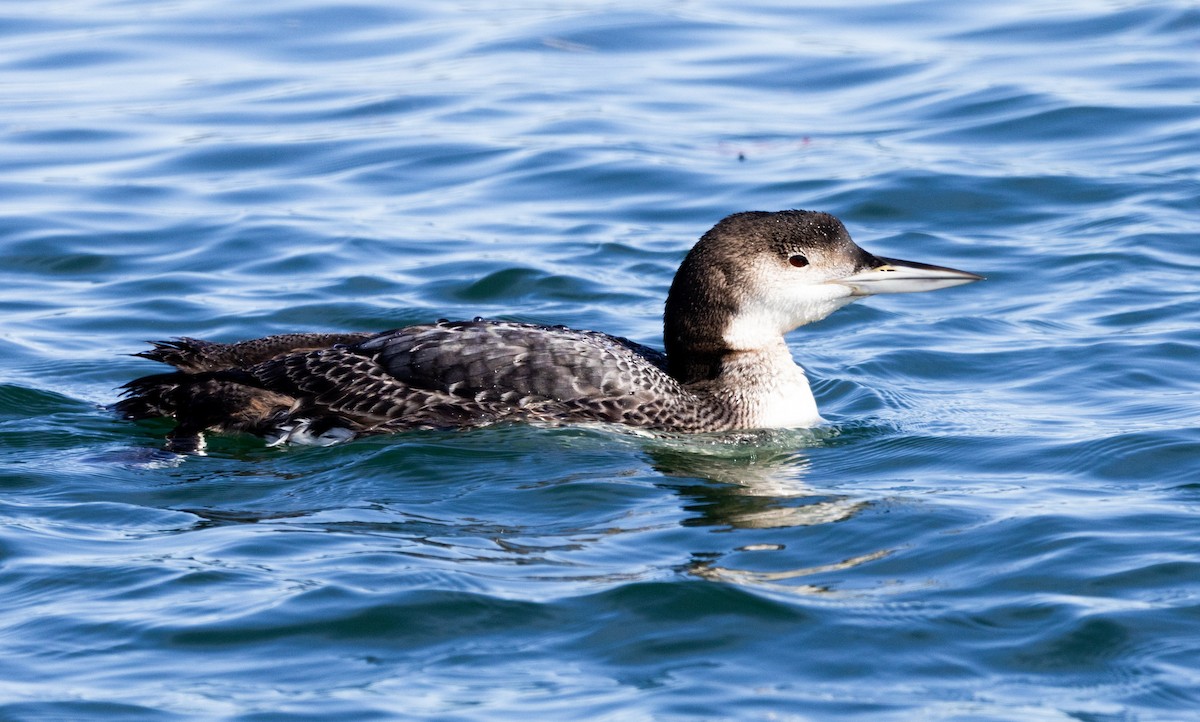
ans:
x=798 y=261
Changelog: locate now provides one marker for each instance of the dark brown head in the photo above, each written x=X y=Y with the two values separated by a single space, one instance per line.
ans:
x=757 y=275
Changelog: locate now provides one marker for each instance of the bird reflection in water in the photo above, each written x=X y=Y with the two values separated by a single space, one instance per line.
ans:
x=759 y=486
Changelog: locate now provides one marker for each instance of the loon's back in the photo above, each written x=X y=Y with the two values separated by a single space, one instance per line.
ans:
x=328 y=387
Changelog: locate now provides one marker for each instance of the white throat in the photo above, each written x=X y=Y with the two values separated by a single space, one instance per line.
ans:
x=768 y=389
x=778 y=304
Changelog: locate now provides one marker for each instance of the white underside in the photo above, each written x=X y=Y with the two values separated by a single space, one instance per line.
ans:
x=300 y=433
x=768 y=390
x=793 y=407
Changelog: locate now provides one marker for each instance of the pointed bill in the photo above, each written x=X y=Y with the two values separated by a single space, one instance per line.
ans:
x=891 y=275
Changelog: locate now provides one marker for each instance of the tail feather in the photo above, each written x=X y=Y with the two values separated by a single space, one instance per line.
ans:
x=209 y=394
x=151 y=397
x=197 y=355
x=186 y=354
x=219 y=387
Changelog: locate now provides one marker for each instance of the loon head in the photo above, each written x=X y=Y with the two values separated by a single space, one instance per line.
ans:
x=756 y=276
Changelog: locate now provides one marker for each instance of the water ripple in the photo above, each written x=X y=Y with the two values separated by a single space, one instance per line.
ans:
x=996 y=522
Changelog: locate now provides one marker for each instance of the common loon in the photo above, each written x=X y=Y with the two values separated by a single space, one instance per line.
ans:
x=752 y=278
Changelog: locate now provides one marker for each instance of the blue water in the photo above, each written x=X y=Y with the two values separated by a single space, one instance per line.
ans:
x=1001 y=520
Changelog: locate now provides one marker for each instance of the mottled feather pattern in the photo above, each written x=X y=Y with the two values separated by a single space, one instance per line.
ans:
x=195 y=355
x=443 y=375
x=548 y=373
x=355 y=388
x=469 y=357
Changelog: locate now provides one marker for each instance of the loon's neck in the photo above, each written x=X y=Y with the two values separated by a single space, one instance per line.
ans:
x=759 y=389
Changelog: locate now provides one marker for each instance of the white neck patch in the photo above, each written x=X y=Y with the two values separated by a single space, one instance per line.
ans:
x=778 y=301
x=769 y=390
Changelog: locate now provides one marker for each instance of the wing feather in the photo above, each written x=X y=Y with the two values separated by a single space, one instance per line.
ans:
x=443 y=375
x=496 y=359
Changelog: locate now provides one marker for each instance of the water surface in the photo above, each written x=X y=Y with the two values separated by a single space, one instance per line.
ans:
x=999 y=521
